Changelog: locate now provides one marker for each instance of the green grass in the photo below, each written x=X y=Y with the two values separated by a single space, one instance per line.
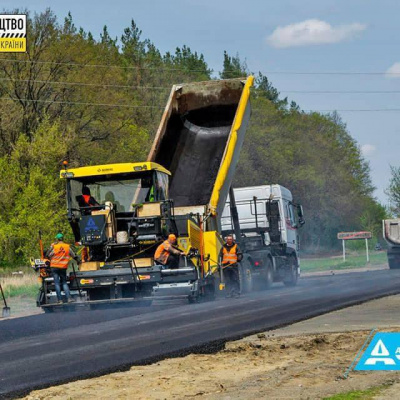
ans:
x=25 y=286
x=336 y=263
x=24 y=291
x=368 y=394
x=6 y=268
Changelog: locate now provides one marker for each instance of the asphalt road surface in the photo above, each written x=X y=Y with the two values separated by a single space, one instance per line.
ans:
x=48 y=349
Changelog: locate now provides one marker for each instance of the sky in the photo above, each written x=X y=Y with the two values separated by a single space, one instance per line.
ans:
x=302 y=47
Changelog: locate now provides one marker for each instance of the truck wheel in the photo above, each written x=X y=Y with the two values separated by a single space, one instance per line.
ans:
x=393 y=264
x=246 y=277
x=291 y=276
x=193 y=299
x=268 y=274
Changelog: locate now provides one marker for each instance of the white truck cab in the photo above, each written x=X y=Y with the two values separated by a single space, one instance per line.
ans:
x=269 y=222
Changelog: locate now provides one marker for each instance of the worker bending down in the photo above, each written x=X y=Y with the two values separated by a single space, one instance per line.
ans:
x=60 y=254
x=168 y=255
x=230 y=255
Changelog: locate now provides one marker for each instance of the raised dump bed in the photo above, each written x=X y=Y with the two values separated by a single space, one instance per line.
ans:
x=199 y=141
x=391 y=233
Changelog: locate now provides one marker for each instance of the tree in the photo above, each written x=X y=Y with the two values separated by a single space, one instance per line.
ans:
x=233 y=67
x=265 y=89
x=32 y=196
x=106 y=39
x=132 y=46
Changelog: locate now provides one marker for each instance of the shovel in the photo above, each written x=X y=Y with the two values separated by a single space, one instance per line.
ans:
x=6 y=310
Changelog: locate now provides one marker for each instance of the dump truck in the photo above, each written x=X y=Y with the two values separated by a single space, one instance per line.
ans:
x=391 y=233
x=265 y=221
x=181 y=188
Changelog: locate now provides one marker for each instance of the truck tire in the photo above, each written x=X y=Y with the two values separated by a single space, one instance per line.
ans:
x=193 y=299
x=292 y=275
x=267 y=275
x=393 y=264
x=246 y=277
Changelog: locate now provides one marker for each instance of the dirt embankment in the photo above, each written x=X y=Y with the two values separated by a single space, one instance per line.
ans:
x=305 y=366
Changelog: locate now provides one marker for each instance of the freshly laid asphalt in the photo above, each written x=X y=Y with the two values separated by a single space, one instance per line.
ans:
x=47 y=349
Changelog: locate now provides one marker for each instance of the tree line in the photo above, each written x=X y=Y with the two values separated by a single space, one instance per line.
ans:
x=96 y=101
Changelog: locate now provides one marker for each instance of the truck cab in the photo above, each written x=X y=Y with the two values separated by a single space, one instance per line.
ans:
x=267 y=230
x=117 y=206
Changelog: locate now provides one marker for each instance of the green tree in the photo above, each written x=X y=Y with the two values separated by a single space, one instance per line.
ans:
x=265 y=89
x=32 y=195
x=233 y=67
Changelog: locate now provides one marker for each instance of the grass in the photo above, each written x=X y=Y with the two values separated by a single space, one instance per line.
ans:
x=336 y=263
x=25 y=285
x=368 y=394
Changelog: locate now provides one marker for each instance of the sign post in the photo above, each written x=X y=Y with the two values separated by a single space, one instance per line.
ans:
x=344 y=250
x=354 y=236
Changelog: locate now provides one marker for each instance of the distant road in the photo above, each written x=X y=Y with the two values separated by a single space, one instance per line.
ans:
x=46 y=349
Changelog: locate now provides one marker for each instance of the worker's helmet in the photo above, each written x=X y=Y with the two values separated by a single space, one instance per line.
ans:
x=171 y=237
x=59 y=236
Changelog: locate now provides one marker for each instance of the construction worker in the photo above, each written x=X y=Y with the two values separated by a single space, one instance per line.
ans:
x=60 y=254
x=86 y=199
x=168 y=255
x=230 y=255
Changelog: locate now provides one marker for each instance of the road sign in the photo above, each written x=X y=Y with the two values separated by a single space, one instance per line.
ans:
x=354 y=235
x=382 y=354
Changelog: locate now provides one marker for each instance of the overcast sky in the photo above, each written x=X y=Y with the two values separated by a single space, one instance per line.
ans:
x=282 y=39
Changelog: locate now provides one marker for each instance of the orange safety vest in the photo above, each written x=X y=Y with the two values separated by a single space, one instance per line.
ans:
x=229 y=256
x=162 y=252
x=61 y=256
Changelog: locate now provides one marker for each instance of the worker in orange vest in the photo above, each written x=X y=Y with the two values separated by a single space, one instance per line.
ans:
x=168 y=255
x=230 y=255
x=86 y=201
x=60 y=254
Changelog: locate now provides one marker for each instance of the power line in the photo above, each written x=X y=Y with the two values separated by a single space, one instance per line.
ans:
x=77 y=102
x=160 y=107
x=330 y=73
x=341 y=91
x=198 y=70
x=357 y=110
x=104 y=85
x=86 y=84
x=105 y=65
